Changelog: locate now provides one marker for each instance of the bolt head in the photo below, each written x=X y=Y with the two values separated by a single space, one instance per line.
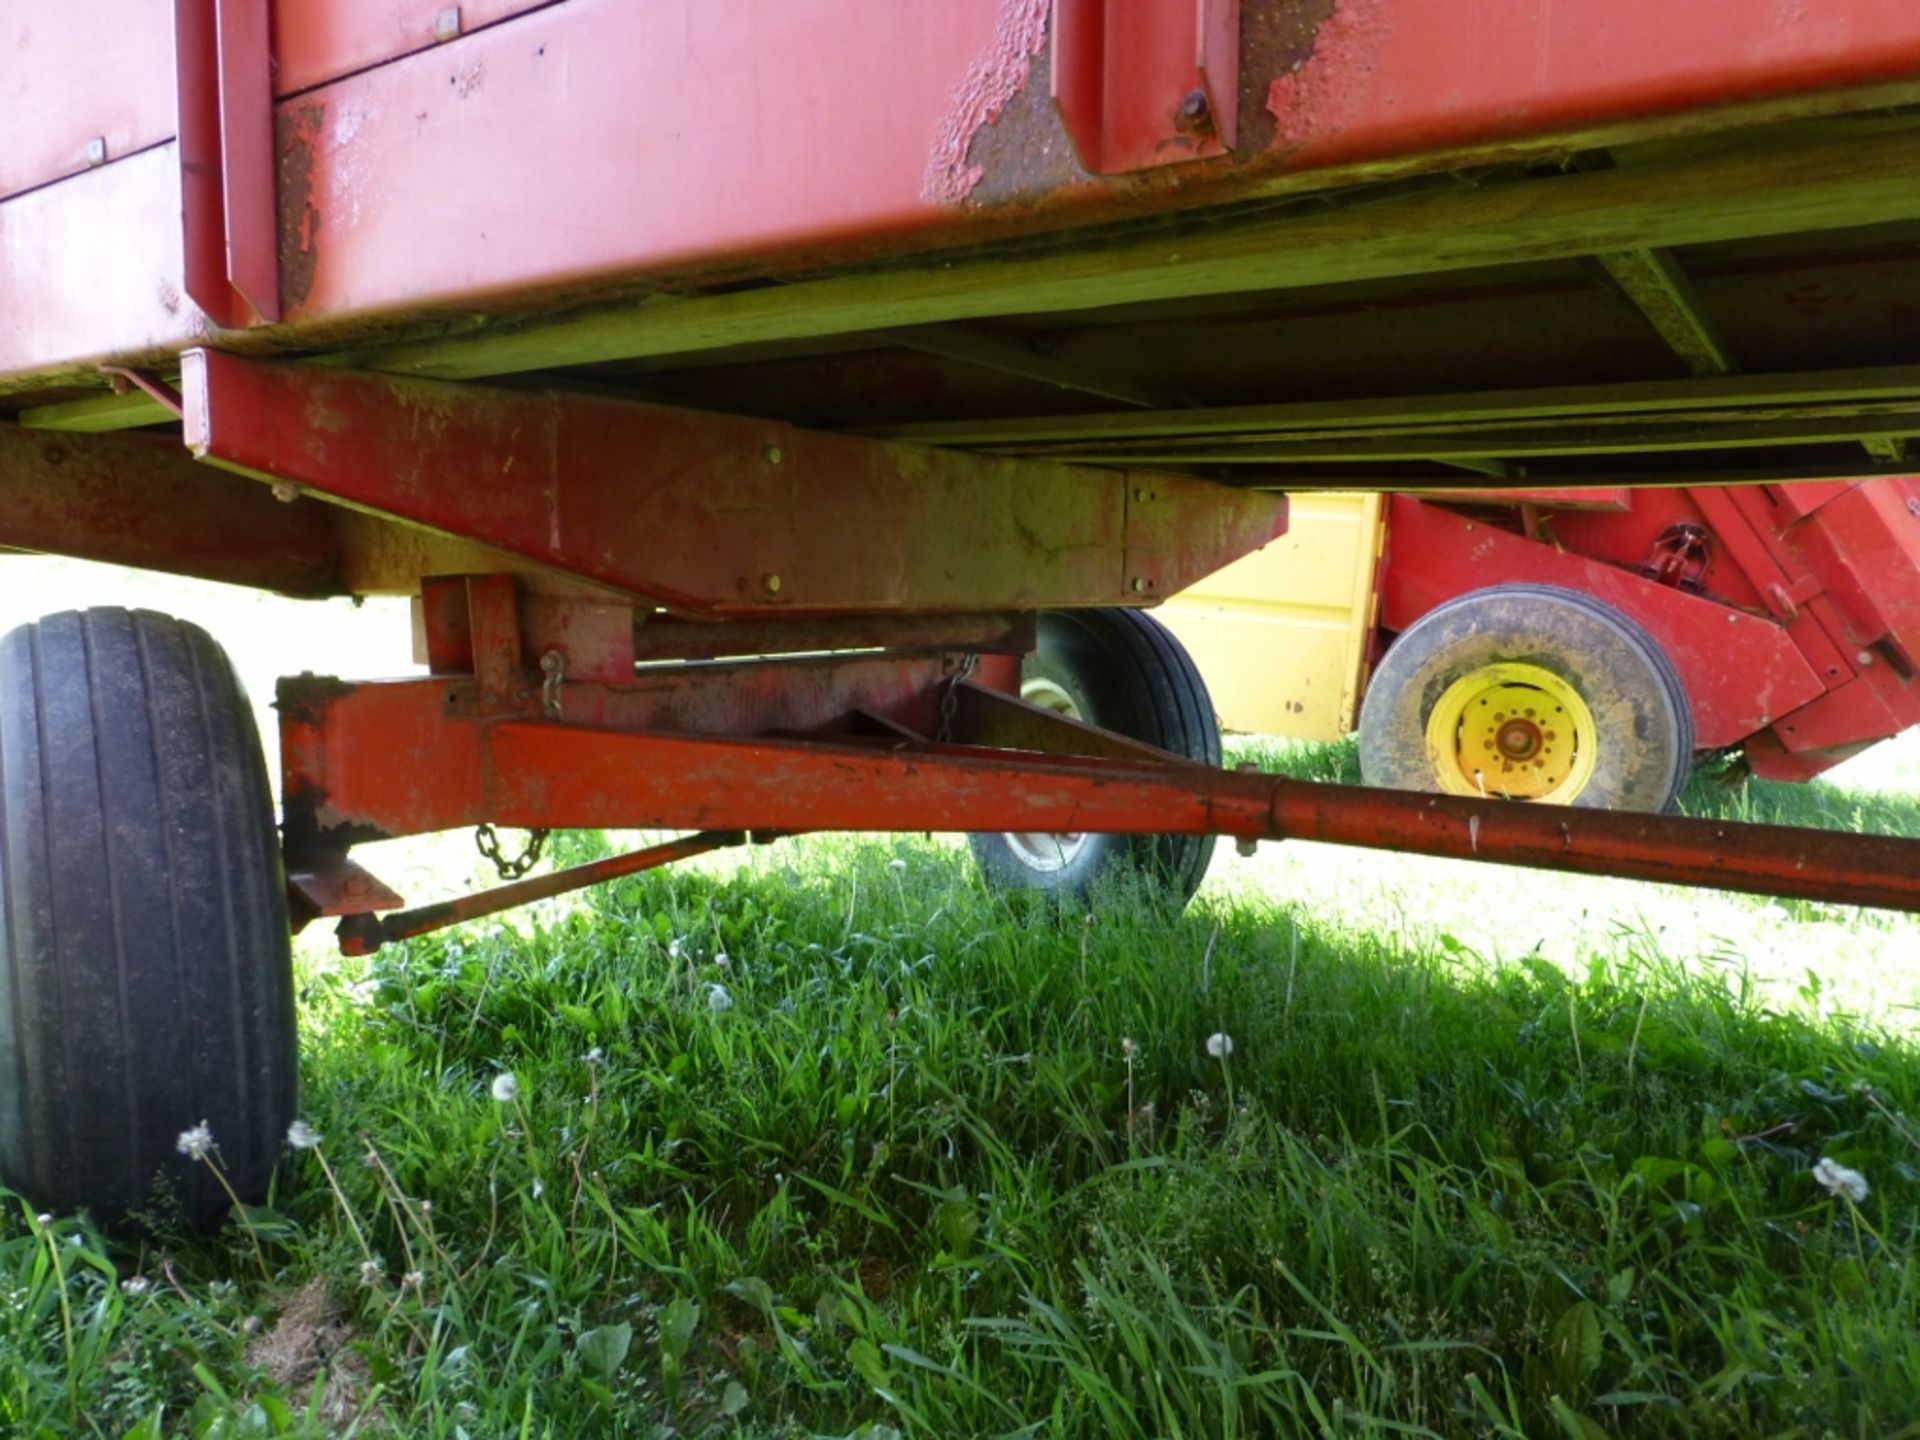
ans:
x=1863 y=658
x=1141 y=583
x=97 y=150
x=773 y=455
x=446 y=24
x=771 y=583
x=285 y=491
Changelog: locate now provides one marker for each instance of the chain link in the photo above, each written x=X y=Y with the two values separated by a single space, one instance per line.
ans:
x=950 y=699
x=488 y=841
x=554 y=666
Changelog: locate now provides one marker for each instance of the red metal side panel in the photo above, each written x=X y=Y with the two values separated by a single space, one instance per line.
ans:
x=80 y=72
x=1625 y=538
x=315 y=41
x=91 y=267
x=1865 y=544
x=602 y=140
x=74 y=73
x=599 y=138
x=1387 y=77
x=1740 y=671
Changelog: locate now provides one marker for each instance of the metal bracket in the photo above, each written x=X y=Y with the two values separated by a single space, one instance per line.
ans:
x=1145 y=83
x=225 y=96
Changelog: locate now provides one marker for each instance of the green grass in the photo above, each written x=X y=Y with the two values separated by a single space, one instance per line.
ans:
x=891 y=1168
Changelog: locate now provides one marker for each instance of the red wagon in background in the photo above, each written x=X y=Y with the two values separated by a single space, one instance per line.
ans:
x=1575 y=646
x=746 y=394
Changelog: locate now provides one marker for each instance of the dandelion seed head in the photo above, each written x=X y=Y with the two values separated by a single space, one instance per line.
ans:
x=1219 y=1045
x=673 y=948
x=413 y=1279
x=426 y=1207
x=370 y=1273
x=594 y=1056
x=1837 y=1179
x=197 y=1143
x=723 y=961
x=506 y=1089
x=302 y=1136
x=1127 y=1047
x=718 y=999
x=897 y=865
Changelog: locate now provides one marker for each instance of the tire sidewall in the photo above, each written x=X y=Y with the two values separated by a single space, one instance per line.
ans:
x=1126 y=673
x=1643 y=738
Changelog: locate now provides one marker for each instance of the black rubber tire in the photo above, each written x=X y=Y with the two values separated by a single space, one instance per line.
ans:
x=146 y=982
x=1640 y=708
x=1125 y=672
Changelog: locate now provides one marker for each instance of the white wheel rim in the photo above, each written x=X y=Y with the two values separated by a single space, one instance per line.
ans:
x=1041 y=850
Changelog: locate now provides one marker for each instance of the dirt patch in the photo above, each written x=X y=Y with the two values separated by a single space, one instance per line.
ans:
x=307 y=1346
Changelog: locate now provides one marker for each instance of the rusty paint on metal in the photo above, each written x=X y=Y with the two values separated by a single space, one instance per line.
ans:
x=555 y=775
x=362 y=934
x=1323 y=92
x=297 y=130
x=847 y=523
x=1006 y=69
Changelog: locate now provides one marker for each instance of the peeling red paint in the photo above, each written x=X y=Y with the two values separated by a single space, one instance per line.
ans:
x=991 y=81
x=1323 y=92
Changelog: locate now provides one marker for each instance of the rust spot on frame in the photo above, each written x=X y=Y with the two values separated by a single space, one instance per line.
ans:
x=1314 y=94
x=1003 y=141
x=296 y=137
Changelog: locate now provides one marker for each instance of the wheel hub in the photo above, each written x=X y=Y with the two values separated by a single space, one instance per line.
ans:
x=1514 y=731
x=1041 y=849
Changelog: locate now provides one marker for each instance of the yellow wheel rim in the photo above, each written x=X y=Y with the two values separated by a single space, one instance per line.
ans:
x=1511 y=731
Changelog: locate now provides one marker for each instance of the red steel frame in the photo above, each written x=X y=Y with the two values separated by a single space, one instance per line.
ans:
x=893 y=738
x=299 y=185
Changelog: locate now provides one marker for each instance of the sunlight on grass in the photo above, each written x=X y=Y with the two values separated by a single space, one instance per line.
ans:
x=835 y=1142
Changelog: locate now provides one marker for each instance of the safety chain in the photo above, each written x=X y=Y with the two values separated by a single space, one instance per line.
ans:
x=488 y=839
x=554 y=666
x=950 y=699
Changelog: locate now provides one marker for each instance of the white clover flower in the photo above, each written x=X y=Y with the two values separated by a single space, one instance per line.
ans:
x=506 y=1089
x=413 y=1279
x=426 y=1207
x=897 y=865
x=197 y=1143
x=371 y=1273
x=1219 y=1045
x=1127 y=1047
x=594 y=1056
x=136 y=1285
x=1839 y=1180
x=43 y=1219
x=722 y=960
x=673 y=948
x=302 y=1136
x=718 y=999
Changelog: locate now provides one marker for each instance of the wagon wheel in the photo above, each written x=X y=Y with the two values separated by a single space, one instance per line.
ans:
x=1529 y=692
x=145 y=979
x=1123 y=671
